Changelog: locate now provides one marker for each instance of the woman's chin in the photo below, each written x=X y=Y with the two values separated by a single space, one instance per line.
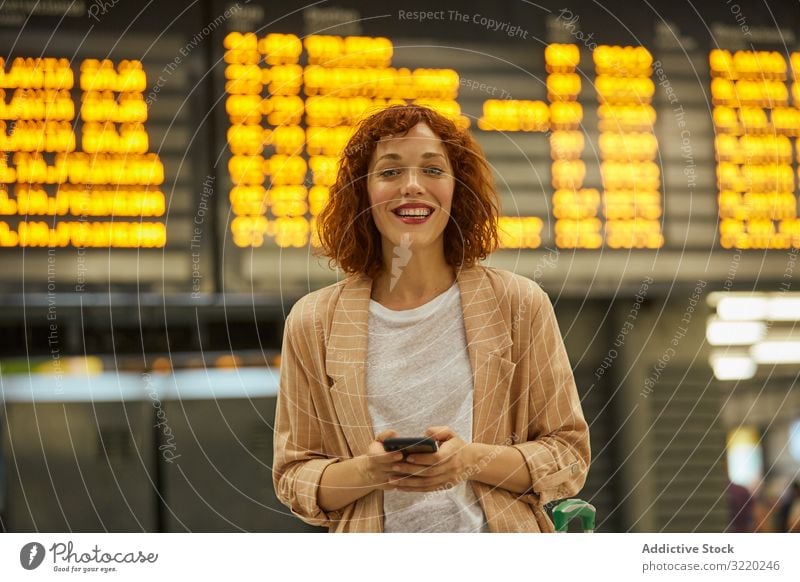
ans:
x=411 y=240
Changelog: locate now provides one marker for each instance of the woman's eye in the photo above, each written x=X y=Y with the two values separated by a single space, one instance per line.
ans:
x=392 y=172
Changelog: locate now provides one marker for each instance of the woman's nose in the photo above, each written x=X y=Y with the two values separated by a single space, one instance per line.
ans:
x=411 y=184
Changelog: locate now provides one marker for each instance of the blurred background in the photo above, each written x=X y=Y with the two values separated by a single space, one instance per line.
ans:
x=161 y=165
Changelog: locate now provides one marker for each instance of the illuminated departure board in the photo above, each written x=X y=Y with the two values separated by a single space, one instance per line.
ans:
x=757 y=122
x=291 y=138
x=630 y=201
x=96 y=187
x=212 y=136
x=349 y=77
x=289 y=123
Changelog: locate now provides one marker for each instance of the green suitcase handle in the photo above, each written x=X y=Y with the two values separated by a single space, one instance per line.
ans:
x=567 y=510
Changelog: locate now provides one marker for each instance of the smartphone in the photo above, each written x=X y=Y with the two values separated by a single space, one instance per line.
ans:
x=408 y=445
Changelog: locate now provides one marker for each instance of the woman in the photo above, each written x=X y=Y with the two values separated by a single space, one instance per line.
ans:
x=421 y=340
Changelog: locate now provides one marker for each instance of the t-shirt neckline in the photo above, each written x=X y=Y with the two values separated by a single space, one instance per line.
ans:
x=416 y=312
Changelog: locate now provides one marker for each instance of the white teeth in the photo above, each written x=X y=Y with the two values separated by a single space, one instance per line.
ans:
x=414 y=212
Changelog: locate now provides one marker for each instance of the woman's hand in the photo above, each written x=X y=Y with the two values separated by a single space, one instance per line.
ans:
x=443 y=469
x=377 y=463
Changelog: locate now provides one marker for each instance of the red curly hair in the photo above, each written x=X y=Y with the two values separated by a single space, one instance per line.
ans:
x=347 y=232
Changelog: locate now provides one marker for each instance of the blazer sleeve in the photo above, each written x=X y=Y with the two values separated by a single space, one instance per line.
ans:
x=298 y=453
x=556 y=450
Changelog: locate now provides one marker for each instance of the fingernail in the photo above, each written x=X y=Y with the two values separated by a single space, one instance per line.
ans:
x=410 y=459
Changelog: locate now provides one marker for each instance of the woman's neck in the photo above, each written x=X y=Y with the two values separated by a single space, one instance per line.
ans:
x=413 y=284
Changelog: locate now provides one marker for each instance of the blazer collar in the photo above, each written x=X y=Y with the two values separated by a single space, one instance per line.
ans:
x=488 y=338
x=486 y=330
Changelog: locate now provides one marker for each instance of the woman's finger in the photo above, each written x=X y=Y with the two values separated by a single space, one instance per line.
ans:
x=388 y=458
x=409 y=482
x=425 y=458
x=422 y=470
x=405 y=469
x=386 y=434
x=440 y=433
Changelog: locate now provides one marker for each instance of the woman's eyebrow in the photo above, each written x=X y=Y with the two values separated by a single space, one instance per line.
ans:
x=389 y=157
x=426 y=155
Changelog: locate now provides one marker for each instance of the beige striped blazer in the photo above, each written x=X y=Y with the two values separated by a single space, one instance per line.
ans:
x=524 y=396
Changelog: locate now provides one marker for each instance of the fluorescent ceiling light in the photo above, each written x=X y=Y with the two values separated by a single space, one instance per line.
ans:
x=784 y=309
x=776 y=352
x=742 y=308
x=733 y=367
x=734 y=333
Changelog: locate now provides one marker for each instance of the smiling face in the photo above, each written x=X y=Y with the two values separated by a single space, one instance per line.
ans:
x=410 y=186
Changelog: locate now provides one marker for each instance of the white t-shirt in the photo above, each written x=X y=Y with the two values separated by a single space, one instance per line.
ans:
x=419 y=375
